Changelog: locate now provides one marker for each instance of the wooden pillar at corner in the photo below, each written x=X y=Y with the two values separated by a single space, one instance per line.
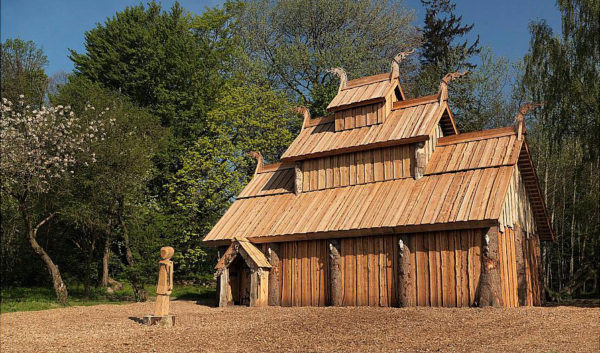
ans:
x=537 y=248
x=224 y=288
x=274 y=285
x=490 y=290
x=520 y=246
x=405 y=281
x=335 y=274
x=254 y=287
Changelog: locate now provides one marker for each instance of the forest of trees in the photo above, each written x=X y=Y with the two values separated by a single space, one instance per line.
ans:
x=145 y=143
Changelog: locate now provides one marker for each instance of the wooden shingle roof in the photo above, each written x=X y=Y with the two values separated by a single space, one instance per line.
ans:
x=464 y=187
x=274 y=179
x=364 y=90
x=395 y=206
x=241 y=246
x=406 y=124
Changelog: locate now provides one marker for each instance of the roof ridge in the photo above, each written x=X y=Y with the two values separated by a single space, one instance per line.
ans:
x=367 y=80
x=415 y=101
x=476 y=135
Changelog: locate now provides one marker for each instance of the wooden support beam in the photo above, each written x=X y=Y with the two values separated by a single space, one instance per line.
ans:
x=420 y=162
x=490 y=290
x=299 y=178
x=405 y=281
x=224 y=287
x=520 y=242
x=274 y=285
x=254 y=287
x=538 y=254
x=335 y=273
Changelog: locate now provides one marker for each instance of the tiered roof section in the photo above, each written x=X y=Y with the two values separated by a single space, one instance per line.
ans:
x=409 y=121
x=465 y=183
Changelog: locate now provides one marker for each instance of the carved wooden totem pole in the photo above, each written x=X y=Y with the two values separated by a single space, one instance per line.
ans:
x=163 y=290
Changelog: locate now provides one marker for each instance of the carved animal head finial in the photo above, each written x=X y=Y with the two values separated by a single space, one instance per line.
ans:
x=341 y=74
x=443 y=89
x=520 y=117
x=305 y=113
x=259 y=160
x=395 y=72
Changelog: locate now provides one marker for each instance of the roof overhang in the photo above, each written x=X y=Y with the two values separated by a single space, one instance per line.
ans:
x=421 y=228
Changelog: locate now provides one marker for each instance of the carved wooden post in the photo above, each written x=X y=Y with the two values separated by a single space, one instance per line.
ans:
x=538 y=255
x=299 y=178
x=335 y=274
x=405 y=282
x=274 y=286
x=490 y=290
x=420 y=162
x=254 y=284
x=520 y=245
x=224 y=287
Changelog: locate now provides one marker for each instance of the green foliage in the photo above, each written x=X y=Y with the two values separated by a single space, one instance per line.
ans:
x=294 y=42
x=247 y=118
x=441 y=51
x=441 y=31
x=23 y=71
x=563 y=72
x=480 y=100
x=42 y=298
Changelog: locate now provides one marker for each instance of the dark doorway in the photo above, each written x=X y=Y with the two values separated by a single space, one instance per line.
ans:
x=239 y=280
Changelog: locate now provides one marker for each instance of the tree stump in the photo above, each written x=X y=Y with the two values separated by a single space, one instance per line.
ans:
x=490 y=290
x=335 y=274
x=274 y=285
x=405 y=281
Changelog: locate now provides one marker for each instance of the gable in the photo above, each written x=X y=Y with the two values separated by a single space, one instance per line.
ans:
x=253 y=257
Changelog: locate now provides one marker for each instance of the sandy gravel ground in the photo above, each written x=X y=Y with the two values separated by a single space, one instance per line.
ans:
x=200 y=328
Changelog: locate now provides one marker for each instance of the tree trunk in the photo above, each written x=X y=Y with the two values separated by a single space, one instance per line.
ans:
x=335 y=274
x=139 y=292
x=60 y=288
x=405 y=281
x=520 y=246
x=490 y=290
x=274 y=289
x=105 y=260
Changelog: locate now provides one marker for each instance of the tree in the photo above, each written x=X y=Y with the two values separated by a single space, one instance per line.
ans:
x=104 y=195
x=158 y=60
x=563 y=72
x=40 y=149
x=482 y=100
x=442 y=50
x=294 y=42
x=23 y=71
x=246 y=118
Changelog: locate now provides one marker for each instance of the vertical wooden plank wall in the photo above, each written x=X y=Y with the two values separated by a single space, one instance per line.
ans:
x=358 y=168
x=517 y=207
x=446 y=268
x=531 y=258
x=508 y=268
x=365 y=115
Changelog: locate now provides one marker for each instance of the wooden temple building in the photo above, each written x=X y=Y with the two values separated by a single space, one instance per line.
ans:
x=385 y=203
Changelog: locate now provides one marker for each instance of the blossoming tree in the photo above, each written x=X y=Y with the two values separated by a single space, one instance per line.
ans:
x=39 y=149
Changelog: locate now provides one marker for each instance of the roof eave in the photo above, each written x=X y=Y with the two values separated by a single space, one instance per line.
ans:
x=388 y=143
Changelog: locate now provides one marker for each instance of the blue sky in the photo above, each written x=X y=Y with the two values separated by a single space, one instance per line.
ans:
x=58 y=25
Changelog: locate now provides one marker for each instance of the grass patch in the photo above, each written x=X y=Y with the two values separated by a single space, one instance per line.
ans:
x=43 y=298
